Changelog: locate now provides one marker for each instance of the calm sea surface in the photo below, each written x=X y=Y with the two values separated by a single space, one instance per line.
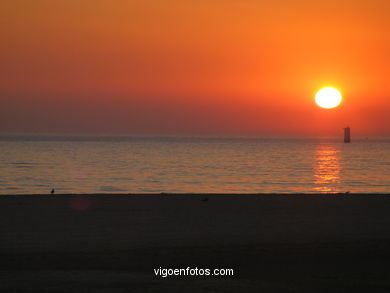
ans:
x=183 y=165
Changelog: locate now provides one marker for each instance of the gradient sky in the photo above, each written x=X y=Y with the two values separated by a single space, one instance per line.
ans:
x=203 y=67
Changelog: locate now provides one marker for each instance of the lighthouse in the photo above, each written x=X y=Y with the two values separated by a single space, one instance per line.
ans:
x=347 y=135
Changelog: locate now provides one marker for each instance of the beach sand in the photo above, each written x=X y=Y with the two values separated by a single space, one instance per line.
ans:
x=274 y=243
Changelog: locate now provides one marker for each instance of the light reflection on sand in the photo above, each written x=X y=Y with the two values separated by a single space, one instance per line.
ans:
x=327 y=169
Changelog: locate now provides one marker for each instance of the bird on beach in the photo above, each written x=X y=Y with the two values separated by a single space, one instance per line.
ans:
x=205 y=199
x=52 y=191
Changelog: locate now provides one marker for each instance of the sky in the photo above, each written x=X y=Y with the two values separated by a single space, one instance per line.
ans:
x=174 y=67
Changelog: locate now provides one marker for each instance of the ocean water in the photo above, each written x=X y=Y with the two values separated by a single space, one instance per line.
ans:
x=35 y=165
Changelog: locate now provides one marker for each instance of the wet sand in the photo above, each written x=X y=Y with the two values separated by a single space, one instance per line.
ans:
x=274 y=243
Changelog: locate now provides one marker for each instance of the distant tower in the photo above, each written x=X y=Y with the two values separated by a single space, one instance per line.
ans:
x=347 y=135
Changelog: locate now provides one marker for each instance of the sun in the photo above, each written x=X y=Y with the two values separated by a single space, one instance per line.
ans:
x=328 y=98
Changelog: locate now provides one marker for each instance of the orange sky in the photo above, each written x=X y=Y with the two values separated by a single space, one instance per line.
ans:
x=223 y=67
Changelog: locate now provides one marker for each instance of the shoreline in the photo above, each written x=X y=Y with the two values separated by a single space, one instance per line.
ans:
x=200 y=194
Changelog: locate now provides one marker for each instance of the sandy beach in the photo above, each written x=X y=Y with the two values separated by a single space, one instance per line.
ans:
x=274 y=243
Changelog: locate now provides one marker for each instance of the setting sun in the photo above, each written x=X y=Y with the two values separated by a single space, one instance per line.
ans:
x=328 y=98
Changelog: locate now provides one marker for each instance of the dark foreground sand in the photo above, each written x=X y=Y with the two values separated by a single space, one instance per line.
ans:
x=274 y=243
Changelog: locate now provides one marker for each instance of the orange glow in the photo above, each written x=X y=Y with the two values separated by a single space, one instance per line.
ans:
x=327 y=169
x=193 y=67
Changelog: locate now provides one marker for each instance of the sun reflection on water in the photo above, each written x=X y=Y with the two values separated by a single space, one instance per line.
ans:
x=327 y=169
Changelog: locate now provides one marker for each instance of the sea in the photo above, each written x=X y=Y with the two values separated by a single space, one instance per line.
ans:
x=99 y=165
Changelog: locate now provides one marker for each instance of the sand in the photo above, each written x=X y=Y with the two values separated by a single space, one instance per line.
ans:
x=274 y=243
